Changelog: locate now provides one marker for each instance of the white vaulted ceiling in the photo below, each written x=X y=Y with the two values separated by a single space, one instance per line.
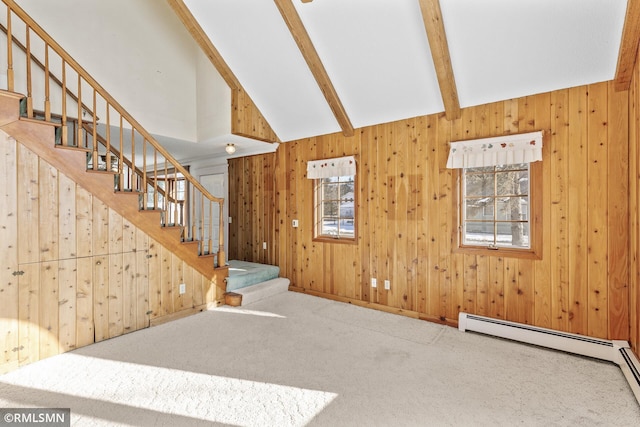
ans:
x=376 y=54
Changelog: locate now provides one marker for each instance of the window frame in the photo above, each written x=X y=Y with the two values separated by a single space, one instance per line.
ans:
x=316 y=183
x=535 y=220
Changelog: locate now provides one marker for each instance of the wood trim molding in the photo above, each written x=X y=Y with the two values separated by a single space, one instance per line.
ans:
x=300 y=35
x=628 y=46
x=434 y=26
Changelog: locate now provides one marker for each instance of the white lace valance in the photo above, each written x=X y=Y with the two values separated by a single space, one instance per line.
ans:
x=502 y=150
x=340 y=166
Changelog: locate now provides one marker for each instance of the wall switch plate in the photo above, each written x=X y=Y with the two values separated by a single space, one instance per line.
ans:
x=264 y=245
x=387 y=284
x=374 y=282
x=294 y=223
x=230 y=220
x=183 y=288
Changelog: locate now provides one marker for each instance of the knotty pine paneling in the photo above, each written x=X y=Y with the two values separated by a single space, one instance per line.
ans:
x=246 y=120
x=73 y=271
x=405 y=217
x=252 y=207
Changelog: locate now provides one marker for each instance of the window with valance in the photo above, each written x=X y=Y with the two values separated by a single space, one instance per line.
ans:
x=334 y=198
x=497 y=208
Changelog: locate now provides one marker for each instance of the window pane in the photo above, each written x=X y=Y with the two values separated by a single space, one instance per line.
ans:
x=329 y=227
x=330 y=209
x=479 y=184
x=480 y=209
x=514 y=234
x=330 y=191
x=479 y=233
x=512 y=209
x=512 y=183
x=346 y=210
x=346 y=228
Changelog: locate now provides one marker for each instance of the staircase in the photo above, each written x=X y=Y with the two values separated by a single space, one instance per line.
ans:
x=96 y=143
x=103 y=232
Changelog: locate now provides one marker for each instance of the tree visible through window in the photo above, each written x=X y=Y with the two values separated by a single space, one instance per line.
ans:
x=496 y=207
x=335 y=207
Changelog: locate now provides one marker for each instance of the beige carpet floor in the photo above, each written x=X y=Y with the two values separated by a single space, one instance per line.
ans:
x=294 y=360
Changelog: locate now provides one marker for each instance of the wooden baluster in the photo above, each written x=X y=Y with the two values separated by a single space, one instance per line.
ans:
x=221 y=255
x=203 y=240
x=167 y=199
x=108 y=138
x=132 y=169
x=121 y=160
x=155 y=182
x=29 y=76
x=95 y=135
x=175 y=196
x=192 y=217
x=47 y=102
x=65 y=130
x=144 y=171
x=10 y=79
x=79 y=136
x=210 y=227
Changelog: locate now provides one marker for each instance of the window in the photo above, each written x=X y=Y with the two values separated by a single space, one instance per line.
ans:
x=334 y=209
x=495 y=206
x=496 y=210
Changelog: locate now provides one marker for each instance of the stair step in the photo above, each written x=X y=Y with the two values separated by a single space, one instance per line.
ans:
x=102 y=171
x=42 y=122
x=73 y=147
x=129 y=192
x=9 y=107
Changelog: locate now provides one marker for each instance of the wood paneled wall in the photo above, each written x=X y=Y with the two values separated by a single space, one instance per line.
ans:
x=252 y=209
x=246 y=120
x=73 y=271
x=405 y=217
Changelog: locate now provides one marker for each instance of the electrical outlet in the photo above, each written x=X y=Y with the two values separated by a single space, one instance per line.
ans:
x=387 y=284
x=183 y=288
x=374 y=282
x=264 y=245
x=230 y=220
x=294 y=223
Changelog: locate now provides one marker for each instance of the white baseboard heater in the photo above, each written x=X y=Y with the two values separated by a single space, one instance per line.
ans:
x=611 y=350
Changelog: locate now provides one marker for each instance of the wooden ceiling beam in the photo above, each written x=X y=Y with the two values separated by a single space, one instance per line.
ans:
x=300 y=35
x=628 y=46
x=434 y=26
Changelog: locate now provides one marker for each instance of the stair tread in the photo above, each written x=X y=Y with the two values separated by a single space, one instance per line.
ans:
x=44 y=122
x=129 y=192
x=72 y=147
x=10 y=94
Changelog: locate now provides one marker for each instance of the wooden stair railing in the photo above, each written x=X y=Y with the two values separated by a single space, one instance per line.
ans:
x=140 y=164
x=41 y=66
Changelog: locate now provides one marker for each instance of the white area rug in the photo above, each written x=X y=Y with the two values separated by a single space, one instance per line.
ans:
x=294 y=360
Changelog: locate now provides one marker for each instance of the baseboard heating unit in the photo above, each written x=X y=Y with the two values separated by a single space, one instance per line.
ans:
x=610 y=350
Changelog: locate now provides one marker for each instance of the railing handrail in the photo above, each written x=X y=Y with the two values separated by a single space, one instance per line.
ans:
x=42 y=67
x=11 y=4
